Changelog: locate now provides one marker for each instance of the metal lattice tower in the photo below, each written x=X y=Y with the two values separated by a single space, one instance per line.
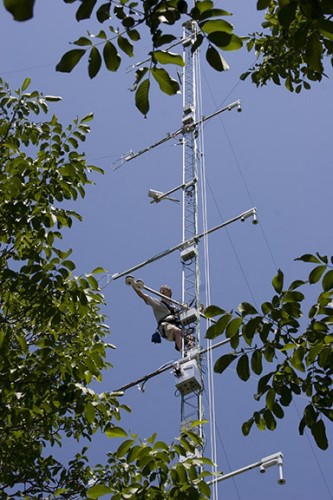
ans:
x=191 y=404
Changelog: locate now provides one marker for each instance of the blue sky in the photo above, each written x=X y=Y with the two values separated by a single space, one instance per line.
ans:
x=275 y=155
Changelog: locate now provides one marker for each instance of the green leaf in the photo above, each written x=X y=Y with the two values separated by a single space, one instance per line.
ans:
x=270 y=398
x=319 y=433
x=165 y=57
x=213 y=13
x=233 y=327
x=115 y=432
x=204 y=488
x=216 y=60
x=314 y=52
x=98 y=490
x=26 y=84
x=212 y=311
x=263 y=383
x=277 y=281
x=99 y=270
x=70 y=60
x=94 y=63
x=21 y=10
x=103 y=12
x=235 y=43
x=142 y=97
x=242 y=368
x=167 y=84
x=263 y=4
x=218 y=328
x=256 y=362
x=245 y=308
x=83 y=42
x=286 y=14
x=246 y=427
x=111 y=57
x=85 y=9
x=309 y=258
x=328 y=281
x=269 y=420
x=223 y=362
x=124 y=447
x=69 y=265
x=125 y=45
x=220 y=38
x=216 y=25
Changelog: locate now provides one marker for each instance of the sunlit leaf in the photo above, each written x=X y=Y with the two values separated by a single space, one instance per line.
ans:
x=115 y=432
x=167 y=84
x=165 y=57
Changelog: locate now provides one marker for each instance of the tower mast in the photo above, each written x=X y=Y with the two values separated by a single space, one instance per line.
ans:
x=191 y=403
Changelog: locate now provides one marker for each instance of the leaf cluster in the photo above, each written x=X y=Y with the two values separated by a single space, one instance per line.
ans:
x=294 y=341
x=52 y=331
x=297 y=37
x=53 y=337
x=126 y=24
x=151 y=469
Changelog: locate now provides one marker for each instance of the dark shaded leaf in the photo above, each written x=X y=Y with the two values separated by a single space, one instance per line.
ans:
x=246 y=308
x=234 y=44
x=263 y=4
x=70 y=60
x=142 y=97
x=242 y=368
x=103 y=12
x=21 y=10
x=313 y=53
x=318 y=431
x=223 y=362
x=85 y=9
x=220 y=38
x=111 y=57
x=286 y=14
x=164 y=39
x=94 y=63
x=256 y=362
x=125 y=45
x=328 y=281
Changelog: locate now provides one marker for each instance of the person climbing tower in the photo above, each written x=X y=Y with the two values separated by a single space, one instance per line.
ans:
x=166 y=314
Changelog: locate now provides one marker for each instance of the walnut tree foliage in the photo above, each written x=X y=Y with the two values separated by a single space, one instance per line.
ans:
x=288 y=345
x=52 y=332
x=297 y=38
x=296 y=41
